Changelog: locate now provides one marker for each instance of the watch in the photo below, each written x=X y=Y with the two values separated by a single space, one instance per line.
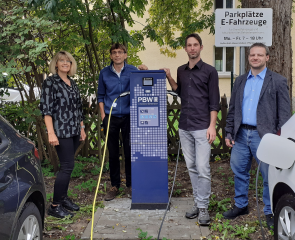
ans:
x=83 y=126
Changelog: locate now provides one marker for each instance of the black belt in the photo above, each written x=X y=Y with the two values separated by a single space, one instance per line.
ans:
x=249 y=127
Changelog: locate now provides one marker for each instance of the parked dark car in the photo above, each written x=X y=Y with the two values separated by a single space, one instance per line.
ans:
x=22 y=190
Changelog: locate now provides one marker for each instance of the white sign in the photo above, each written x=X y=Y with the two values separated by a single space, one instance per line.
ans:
x=243 y=26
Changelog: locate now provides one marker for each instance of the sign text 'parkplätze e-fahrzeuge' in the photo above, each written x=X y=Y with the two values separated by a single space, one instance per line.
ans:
x=243 y=27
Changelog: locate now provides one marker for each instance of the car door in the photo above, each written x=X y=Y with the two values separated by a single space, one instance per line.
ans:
x=9 y=189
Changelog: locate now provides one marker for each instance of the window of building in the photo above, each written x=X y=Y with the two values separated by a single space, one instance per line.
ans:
x=222 y=3
x=224 y=56
x=224 y=59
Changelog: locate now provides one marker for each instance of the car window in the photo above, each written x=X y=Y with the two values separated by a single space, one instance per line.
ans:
x=3 y=143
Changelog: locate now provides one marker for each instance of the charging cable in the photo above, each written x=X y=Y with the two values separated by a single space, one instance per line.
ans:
x=258 y=210
x=168 y=204
x=102 y=163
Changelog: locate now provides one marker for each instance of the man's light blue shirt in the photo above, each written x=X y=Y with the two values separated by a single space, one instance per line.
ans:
x=251 y=96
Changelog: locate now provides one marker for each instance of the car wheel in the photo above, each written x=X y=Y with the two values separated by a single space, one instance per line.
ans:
x=29 y=224
x=284 y=228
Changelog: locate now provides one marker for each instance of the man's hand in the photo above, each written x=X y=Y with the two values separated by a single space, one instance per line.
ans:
x=53 y=140
x=83 y=135
x=229 y=142
x=142 y=67
x=167 y=71
x=211 y=134
x=103 y=116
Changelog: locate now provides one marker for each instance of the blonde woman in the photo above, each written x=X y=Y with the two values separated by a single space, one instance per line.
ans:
x=61 y=107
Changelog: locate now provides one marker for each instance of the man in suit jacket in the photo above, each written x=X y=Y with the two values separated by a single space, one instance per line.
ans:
x=259 y=104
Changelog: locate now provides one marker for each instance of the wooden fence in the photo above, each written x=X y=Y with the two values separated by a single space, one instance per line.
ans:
x=92 y=145
x=173 y=114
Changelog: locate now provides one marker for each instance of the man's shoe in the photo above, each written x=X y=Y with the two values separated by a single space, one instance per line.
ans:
x=235 y=211
x=270 y=221
x=59 y=211
x=111 y=194
x=204 y=218
x=129 y=192
x=193 y=213
x=68 y=204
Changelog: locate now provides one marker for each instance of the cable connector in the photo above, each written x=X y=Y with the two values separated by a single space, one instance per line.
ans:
x=174 y=94
x=124 y=94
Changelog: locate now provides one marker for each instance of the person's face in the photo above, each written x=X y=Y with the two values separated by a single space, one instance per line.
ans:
x=193 y=48
x=257 y=58
x=118 y=56
x=63 y=65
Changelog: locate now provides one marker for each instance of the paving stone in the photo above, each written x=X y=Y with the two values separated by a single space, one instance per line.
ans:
x=204 y=231
x=196 y=236
x=182 y=207
x=176 y=234
x=117 y=216
x=110 y=236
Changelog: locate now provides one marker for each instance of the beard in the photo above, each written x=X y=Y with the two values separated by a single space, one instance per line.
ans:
x=193 y=56
x=257 y=66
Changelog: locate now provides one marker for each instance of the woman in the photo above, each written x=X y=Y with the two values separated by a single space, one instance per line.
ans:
x=61 y=107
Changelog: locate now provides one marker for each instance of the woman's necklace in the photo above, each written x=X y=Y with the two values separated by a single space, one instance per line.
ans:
x=67 y=81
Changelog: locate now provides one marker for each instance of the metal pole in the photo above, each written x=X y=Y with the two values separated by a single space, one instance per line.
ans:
x=242 y=60
x=231 y=81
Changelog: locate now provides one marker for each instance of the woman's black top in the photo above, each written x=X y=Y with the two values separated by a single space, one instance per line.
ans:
x=63 y=103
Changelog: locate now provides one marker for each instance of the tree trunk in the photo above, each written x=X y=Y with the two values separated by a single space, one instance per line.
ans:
x=281 y=50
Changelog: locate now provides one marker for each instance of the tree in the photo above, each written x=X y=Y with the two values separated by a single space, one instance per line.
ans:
x=281 y=50
x=173 y=20
x=29 y=37
x=23 y=57
x=33 y=30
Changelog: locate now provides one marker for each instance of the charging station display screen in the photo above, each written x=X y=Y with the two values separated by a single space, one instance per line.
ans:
x=148 y=116
x=148 y=81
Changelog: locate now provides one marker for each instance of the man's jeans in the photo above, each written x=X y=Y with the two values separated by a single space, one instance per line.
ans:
x=243 y=150
x=197 y=150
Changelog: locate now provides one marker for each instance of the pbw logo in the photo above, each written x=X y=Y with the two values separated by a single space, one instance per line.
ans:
x=147 y=99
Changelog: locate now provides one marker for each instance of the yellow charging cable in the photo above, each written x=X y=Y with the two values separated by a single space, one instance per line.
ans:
x=101 y=168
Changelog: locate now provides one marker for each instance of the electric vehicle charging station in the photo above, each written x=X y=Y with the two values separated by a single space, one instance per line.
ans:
x=148 y=123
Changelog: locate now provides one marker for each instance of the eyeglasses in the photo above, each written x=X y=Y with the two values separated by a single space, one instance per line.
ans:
x=64 y=61
x=117 y=52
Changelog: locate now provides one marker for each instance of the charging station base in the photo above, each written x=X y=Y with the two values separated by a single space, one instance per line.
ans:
x=149 y=206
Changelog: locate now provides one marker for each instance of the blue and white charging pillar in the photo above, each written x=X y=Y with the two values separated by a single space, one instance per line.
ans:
x=149 y=157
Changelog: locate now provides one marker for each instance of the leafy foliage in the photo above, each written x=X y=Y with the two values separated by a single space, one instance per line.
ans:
x=143 y=235
x=78 y=170
x=169 y=18
x=22 y=117
x=89 y=185
x=218 y=205
x=33 y=30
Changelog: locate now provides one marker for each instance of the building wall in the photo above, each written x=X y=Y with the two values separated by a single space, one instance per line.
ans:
x=154 y=60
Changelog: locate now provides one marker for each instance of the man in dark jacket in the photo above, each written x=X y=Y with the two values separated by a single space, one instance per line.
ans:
x=114 y=80
x=259 y=104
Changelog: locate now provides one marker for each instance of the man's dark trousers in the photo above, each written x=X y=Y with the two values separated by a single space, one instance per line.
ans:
x=117 y=124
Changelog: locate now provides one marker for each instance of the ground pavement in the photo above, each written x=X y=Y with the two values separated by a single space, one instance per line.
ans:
x=117 y=221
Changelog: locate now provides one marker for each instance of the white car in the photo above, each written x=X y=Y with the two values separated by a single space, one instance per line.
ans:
x=15 y=96
x=279 y=152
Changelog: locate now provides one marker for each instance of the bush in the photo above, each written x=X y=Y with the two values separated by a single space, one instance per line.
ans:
x=22 y=118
